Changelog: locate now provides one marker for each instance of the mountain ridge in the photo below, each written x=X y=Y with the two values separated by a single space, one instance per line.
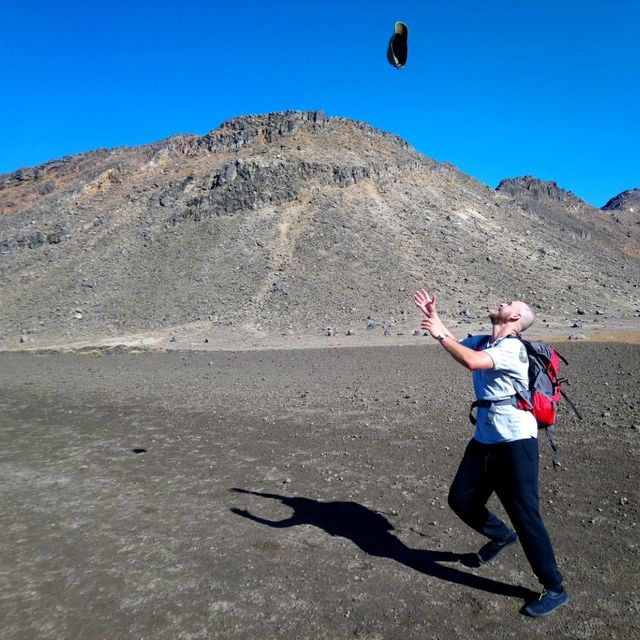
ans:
x=290 y=222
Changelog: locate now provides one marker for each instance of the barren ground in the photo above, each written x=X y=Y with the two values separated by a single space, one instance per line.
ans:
x=295 y=494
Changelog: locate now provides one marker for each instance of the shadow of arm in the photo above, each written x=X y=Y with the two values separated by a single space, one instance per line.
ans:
x=278 y=524
x=257 y=493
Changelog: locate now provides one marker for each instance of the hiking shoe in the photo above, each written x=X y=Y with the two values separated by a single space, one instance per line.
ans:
x=547 y=603
x=492 y=549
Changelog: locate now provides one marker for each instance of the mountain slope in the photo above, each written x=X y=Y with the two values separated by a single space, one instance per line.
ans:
x=287 y=222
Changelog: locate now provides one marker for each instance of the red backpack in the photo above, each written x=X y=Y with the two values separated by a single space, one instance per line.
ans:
x=545 y=389
x=544 y=392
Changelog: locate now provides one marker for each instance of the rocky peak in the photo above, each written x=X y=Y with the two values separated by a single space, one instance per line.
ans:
x=528 y=187
x=625 y=202
x=246 y=131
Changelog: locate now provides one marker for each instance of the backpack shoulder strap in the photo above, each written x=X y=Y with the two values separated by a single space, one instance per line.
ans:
x=524 y=393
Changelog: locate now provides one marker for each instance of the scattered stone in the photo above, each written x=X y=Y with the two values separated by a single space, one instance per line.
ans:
x=351 y=332
x=60 y=233
x=36 y=239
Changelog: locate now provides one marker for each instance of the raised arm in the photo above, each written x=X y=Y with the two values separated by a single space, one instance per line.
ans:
x=467 y=357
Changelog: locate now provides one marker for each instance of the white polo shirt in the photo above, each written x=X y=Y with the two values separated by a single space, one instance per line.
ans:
x=504 y=423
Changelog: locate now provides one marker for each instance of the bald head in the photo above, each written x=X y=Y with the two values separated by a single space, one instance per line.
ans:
x=527 y=315
x=518 y=315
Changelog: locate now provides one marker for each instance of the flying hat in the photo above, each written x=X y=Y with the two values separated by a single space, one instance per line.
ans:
x=397 y=50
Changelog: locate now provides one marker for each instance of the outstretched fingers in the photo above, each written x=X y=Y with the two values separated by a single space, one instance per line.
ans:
x=421 y=298
x=425 y=302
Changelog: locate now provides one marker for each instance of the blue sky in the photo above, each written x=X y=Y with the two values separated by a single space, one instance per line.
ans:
x=500 y=89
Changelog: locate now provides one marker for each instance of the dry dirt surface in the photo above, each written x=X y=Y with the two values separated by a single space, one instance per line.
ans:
x=295 y=494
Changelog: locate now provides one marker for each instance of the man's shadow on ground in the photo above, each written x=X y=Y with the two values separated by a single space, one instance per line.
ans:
x=371 y=531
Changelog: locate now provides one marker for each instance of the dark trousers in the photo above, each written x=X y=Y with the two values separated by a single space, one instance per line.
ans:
x=511 y=470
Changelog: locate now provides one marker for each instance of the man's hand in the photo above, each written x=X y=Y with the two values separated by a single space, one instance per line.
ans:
x=434 y=326
x=425 y=303
x=470 y=358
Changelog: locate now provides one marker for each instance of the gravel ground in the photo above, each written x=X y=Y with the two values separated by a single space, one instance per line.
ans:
x=295 y=494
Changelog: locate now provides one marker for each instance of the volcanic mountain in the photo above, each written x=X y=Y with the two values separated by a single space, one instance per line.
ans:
x=290 y=223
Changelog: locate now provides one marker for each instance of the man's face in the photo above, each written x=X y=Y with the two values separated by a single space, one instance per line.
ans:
x=504 y=311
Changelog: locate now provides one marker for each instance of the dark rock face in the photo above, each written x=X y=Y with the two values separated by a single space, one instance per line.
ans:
x=59 y=233
x=530 y=187
x=291 y=222
x=244 y=185
x=625 y=202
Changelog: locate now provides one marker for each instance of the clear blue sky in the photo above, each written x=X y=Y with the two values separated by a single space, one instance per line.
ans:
x=499 y=88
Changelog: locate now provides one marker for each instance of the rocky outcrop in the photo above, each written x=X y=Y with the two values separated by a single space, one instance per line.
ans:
x=242 y=132
x=59 y=233
x=625 y=202
x=528 y=187
x=241 y=185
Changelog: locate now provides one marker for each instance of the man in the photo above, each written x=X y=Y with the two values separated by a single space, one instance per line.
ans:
x=503 y=454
